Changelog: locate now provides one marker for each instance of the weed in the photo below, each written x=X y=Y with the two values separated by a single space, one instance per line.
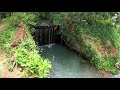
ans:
x=30 y=60
x=90 y=27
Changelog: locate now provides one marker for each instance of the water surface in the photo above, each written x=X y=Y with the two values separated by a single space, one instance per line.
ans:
x=68 y=64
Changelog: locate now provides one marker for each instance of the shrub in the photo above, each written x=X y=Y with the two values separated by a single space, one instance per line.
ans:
x=29 y=59
x=27 y=56
x=86 y=29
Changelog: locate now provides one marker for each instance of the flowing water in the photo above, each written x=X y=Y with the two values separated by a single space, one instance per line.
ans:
x=68 y=64
x=65 y=62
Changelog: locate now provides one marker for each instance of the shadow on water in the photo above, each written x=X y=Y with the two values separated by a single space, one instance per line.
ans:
x=68 y=64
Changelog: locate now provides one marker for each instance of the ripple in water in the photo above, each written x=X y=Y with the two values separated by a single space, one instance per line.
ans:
x=68 y=64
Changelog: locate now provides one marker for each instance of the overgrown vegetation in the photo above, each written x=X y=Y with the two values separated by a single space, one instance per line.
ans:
x=29 y=58
x=5 y=38
x=96 y=35
x=26 y=56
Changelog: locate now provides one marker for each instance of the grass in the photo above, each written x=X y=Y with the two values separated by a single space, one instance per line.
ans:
x=28 y=59
x=96 y=30
x=6 y=36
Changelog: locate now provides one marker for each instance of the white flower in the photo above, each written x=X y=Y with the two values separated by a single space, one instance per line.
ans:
x=114 y=17
x=118 y=26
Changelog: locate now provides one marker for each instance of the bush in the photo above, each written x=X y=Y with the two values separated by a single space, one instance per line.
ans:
x=26 y=18
x=90 y=30
x=31 y=62
x=6 y=35
x=28 y=57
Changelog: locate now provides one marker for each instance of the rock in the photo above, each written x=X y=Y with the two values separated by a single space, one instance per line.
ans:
x=117 y=65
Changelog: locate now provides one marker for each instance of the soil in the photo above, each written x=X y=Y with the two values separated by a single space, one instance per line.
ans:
x=4 y=72
x=20 y=33
x=3 y=25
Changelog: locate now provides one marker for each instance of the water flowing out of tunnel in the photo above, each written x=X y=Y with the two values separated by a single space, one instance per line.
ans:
x=67 y=65
x=47 y=35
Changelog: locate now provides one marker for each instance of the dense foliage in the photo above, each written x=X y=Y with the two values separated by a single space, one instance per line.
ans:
x=26 y=56
x=4 y=15
x=29 y=58
x=96 y=35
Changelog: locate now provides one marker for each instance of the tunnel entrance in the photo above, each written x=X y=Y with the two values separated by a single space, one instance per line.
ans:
x=47 y=33
x=65 y=62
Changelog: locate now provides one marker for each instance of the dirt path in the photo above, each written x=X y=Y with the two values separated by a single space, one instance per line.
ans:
x=4 y=72
x=3 y=25
x=20 y=33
